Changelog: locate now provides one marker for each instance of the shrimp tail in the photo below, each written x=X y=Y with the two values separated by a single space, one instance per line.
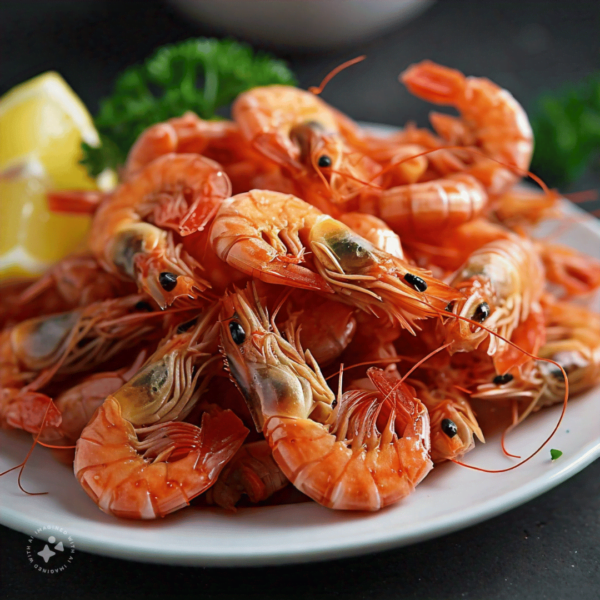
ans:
x=257 y=258
x=29 y=411
x=128 y=484
x=437 y=84
x=77 y=202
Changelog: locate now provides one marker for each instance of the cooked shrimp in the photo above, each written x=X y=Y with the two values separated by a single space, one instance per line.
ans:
x=265 y=234
x=36 y=350
x=431 y=208
x=520 y=207
x=188 y=134
x=491 y=119
x=368 y=452
x=502 y=282
x=300 y=132
x=136 y=458
x=252 y=472
x=177 y=191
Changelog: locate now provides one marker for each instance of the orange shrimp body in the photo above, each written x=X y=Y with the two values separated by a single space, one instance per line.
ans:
x=491 y=119
x=303 y=134
x=265 y=234
x=136 y=458
x=368 y=452
x=252 y=472
x=177 y=192
x=430 y=208
x=323 y=326
x=188 y=134
x=502 y=282
x=574 y=271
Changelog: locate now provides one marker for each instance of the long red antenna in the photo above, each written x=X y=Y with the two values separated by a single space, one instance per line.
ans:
x=36 y=441
x=317 y=90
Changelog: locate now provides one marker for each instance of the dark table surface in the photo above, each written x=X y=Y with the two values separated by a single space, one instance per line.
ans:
x=547 y=548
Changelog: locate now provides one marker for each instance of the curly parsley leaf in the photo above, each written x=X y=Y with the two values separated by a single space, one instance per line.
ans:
x=567 y=132
x=200 y=75
x=554 y=454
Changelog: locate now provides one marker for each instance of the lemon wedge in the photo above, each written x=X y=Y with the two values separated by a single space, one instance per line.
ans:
x=42 y=125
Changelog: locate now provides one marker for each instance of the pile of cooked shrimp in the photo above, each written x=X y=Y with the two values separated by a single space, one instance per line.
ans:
x=287 y=299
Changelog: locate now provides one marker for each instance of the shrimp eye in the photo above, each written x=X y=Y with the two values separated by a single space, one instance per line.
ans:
x=324 y=161
x=237 y=332
x=416 y=282
x=168 y=281
x=142 y=305
x=482 y=312
x=502 y=379
x=449 y=427
x=186 y=326
x=450 y=307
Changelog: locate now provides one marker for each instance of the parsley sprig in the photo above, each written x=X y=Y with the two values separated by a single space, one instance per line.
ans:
x=567 y=132
x=200 y=75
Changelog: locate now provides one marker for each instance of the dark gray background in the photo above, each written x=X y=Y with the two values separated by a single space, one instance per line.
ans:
x=548 y=548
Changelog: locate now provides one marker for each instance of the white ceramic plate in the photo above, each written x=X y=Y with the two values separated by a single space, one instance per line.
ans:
x=450 y=498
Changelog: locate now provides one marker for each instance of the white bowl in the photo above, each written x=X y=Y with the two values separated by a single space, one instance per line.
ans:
x=309 y=24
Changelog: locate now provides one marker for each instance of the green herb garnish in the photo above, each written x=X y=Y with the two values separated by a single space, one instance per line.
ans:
x=201 y=75
x=555 y=454
x=567 y=132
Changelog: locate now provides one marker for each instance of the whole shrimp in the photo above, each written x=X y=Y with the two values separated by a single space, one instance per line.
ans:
x=370 y=451
x=430 y=208
x=35 y=351
x=573 y=341
x=491 y=120
x=266 y=234
x=176 y=192
x=136 y=458
x=502 y=282
x=300 y=132
x=252 y=472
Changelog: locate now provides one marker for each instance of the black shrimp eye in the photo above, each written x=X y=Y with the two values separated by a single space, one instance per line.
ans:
x=449 y=427
x=237 y=332
x=418 y=283
x=450 y=307
x=324 y=161
x=186 y=326
x=482 y=312
x=142 y=305
x=502 y=379
x=168 y=281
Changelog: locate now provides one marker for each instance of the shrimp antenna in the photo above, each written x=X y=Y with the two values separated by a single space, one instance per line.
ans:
x=36 y=441
x=533 y=356
x=317 y=90
x=517 y=170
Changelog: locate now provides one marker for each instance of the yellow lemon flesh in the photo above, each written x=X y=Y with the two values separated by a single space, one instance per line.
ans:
x=42 y=124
